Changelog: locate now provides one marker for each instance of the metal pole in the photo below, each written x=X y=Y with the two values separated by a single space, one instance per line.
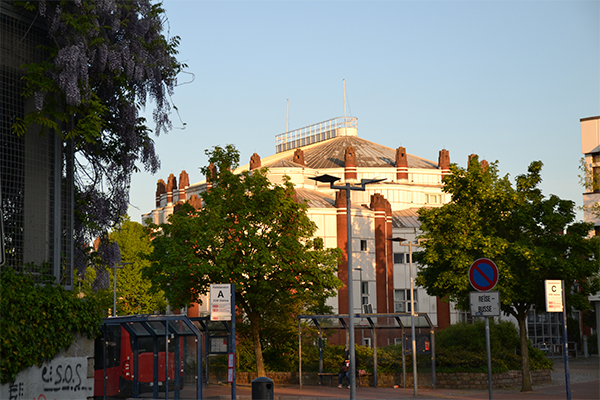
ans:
x=489 y=354
x=412 y=321
x=350 y=298
x=115 y=293
x=233 y=338
x=565 y=347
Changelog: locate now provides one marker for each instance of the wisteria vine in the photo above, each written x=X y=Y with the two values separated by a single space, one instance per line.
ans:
x=105 y=60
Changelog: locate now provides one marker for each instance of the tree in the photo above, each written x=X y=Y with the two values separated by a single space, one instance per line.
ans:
x=102 y=62
x=250 y=233
x=529 y=237
x=134 y=292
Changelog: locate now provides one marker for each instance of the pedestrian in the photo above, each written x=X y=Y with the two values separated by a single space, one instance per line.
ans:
x=344 y=372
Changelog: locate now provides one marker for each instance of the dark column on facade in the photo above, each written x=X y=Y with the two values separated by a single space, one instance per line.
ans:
x=299 y=157
x=444 y=161
x=255 y=161
x=378 y=204
x=350 y=163
x=401 y=164
x=443 y=313
x=161 y=188
x=342 y=243
x=390 y=256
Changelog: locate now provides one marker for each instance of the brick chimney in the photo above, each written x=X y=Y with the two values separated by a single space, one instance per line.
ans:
x=444 y=161
x=401 y=164
x=350 y=163
x=161 y=188
x=184 y=182
x=171 y=184
x=212 y=174
x=299 y=157
x=254 y=161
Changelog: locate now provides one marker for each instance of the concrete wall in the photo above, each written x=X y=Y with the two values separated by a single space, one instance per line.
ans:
x=69 y=376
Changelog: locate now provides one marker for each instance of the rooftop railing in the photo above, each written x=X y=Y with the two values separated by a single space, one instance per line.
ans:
x=313 y=133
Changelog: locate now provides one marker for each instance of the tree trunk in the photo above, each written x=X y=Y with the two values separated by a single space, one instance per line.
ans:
x=526 y=385
x=255 y=327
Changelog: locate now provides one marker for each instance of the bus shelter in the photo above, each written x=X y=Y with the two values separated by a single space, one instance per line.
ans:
x=374 y=322
x=125 y=339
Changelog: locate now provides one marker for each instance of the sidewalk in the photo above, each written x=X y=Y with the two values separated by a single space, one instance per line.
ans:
x=584 y=379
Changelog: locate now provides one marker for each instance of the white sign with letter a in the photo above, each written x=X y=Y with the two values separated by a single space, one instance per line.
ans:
x=220 y=302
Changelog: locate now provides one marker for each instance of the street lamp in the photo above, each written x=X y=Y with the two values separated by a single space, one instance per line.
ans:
x=348 y=186
x=412 y=309
x=121 y=265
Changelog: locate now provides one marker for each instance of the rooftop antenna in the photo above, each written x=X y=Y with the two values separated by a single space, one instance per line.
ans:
x=287 y=117
x=344 y=81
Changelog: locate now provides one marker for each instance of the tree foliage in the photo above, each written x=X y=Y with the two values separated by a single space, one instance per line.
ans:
x=530 y=238
x=134 y=294
x=251 y=233
x=104 y=60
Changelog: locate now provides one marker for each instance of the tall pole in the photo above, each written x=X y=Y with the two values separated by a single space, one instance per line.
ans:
x=348 y=187
x=412 y=320
x=350 y=298
x=115 y=294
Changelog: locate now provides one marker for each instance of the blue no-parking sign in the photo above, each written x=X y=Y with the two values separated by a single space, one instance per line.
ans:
x=483 y=274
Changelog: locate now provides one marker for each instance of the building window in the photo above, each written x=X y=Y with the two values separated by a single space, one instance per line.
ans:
x=366 y=342
x=434 y=199
x=364 y=289
x=363 y=245
x=401 y=258
x=402 y=301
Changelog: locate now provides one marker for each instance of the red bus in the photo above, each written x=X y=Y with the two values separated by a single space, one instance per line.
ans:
x=119 y=363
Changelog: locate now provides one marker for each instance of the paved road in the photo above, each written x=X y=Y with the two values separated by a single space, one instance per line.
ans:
x=584 y=378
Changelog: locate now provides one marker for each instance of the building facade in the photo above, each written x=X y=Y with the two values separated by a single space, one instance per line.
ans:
x=381 y=276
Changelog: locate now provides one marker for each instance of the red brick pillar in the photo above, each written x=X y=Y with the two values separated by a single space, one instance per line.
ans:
x=390 y=257
x=210 y=177
x=378 y=204
x=443 y=313
x=342 y=243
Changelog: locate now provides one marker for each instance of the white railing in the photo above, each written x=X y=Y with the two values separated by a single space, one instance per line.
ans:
x=313 y=133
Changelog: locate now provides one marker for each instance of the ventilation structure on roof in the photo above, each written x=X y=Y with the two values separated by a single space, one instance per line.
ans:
x=341 y=126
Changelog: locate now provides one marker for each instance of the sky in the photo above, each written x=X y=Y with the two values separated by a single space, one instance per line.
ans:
x=507 y=80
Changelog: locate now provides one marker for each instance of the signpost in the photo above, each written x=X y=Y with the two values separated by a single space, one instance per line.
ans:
x=220 y=302
x=555 y=302
x=483 y=275
x=222 y=305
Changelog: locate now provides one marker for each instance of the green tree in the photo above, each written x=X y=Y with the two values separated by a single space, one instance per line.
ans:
x=134 y=294
x=530 y=238
x=250 y=233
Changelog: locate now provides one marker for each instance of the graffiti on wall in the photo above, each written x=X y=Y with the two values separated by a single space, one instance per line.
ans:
x=63 y=378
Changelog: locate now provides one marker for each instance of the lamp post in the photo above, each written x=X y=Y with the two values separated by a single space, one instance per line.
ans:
x=348 y=186
x=121 y=265
x=412 y=310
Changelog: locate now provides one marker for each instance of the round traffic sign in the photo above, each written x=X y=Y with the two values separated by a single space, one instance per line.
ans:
x=483 y=274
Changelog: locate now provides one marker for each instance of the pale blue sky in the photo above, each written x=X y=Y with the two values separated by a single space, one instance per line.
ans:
x=508 y=80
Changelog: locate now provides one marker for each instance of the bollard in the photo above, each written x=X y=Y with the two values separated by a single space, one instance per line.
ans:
x=262 y=389
x=585 y=346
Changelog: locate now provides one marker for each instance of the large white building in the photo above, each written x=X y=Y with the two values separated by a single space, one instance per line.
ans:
x=385 y=210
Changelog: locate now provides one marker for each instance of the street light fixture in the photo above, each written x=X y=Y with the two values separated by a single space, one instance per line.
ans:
x=348 y=186
x=412 y=309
